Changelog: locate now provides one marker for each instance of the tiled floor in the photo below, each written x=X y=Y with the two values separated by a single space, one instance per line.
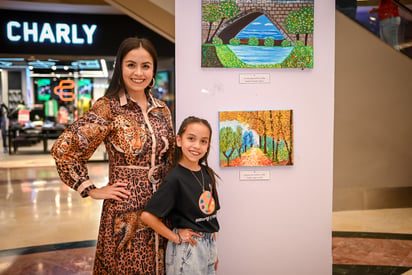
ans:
x=35 y=208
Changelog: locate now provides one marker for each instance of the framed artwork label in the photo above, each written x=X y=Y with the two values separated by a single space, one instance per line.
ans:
x=254 y=175
x=254 y=78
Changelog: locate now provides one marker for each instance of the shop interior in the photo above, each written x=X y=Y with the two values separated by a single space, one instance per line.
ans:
x=44 y=95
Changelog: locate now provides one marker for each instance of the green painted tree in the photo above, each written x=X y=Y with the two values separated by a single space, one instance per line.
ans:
x=238 y=139
x=227 y=142
x=210 y=14
x=224 y=11
x=300 y=22
x=306 y=18
x=292 y=24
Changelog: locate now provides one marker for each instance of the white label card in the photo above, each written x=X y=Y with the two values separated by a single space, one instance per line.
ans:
x=254 y=175
x=254 y=78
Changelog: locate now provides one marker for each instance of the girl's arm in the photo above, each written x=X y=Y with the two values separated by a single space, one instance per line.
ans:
x=157 y=225
x=183 y=235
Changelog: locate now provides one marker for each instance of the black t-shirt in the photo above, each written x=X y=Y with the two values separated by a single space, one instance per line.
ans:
x=179 y=199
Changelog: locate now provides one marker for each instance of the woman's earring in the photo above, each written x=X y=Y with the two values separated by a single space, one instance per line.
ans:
x=152 y=83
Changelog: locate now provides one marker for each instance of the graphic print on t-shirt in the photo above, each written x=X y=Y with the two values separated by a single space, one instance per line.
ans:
x=206 y=202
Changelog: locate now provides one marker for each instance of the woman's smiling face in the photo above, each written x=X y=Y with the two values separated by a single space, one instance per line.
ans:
x=137 y=68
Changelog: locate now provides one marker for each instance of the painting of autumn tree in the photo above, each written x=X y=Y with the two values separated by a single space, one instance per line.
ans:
x=256 y=138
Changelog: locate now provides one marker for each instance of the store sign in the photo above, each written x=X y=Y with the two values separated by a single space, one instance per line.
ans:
x=34 y=32
x=23 y=116
x=65 y=90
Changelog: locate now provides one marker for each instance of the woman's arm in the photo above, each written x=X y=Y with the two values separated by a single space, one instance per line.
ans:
x=77 y=143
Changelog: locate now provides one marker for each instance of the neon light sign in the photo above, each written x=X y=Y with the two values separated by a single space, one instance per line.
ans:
x=65 y=90
x=57 y=34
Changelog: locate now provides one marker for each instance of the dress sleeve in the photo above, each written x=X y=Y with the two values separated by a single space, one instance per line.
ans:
x=77 y=144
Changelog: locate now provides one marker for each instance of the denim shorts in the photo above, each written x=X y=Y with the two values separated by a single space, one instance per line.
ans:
x=185 y=259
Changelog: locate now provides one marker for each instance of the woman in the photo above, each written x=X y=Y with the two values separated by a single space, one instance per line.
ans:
x=138 y=134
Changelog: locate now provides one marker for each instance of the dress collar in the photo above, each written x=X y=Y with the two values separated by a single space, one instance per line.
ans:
x=124 y=98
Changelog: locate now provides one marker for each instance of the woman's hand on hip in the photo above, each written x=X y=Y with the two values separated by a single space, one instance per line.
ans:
x=116 y=191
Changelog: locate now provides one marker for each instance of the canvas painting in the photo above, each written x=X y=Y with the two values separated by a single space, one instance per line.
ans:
x=256 y=138
x=257 y=34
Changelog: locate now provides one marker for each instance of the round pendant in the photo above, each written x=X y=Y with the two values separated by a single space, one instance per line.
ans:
x=207 y=202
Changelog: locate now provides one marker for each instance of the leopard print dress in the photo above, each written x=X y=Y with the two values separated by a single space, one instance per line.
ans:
x=138 y=147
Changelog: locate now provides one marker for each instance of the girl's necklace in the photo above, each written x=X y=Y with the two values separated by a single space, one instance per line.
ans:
x=206 y=201
x=202 y=184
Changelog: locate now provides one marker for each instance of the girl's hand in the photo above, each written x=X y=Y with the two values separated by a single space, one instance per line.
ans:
x=186 y=235
x=115 y=191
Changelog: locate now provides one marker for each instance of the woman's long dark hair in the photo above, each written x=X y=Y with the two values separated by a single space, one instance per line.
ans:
x=131 y=43
x=179 y=154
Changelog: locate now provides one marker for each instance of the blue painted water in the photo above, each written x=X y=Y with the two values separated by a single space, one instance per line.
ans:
x=260 y=28
x=259 y=55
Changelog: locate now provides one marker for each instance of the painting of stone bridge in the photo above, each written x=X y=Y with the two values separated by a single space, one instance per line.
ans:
x=257 y=33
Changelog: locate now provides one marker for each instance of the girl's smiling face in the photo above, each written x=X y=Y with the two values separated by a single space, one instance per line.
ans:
x=138 y=70
x=194 y=143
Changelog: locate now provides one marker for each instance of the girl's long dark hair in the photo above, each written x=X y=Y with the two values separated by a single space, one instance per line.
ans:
x=131 y=43
x=179 y=154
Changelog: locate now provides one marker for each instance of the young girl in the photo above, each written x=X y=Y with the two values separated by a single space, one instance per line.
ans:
x=188 y=198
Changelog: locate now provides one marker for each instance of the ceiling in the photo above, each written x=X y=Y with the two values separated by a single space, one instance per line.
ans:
x=157 y=15
x=60 y=68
